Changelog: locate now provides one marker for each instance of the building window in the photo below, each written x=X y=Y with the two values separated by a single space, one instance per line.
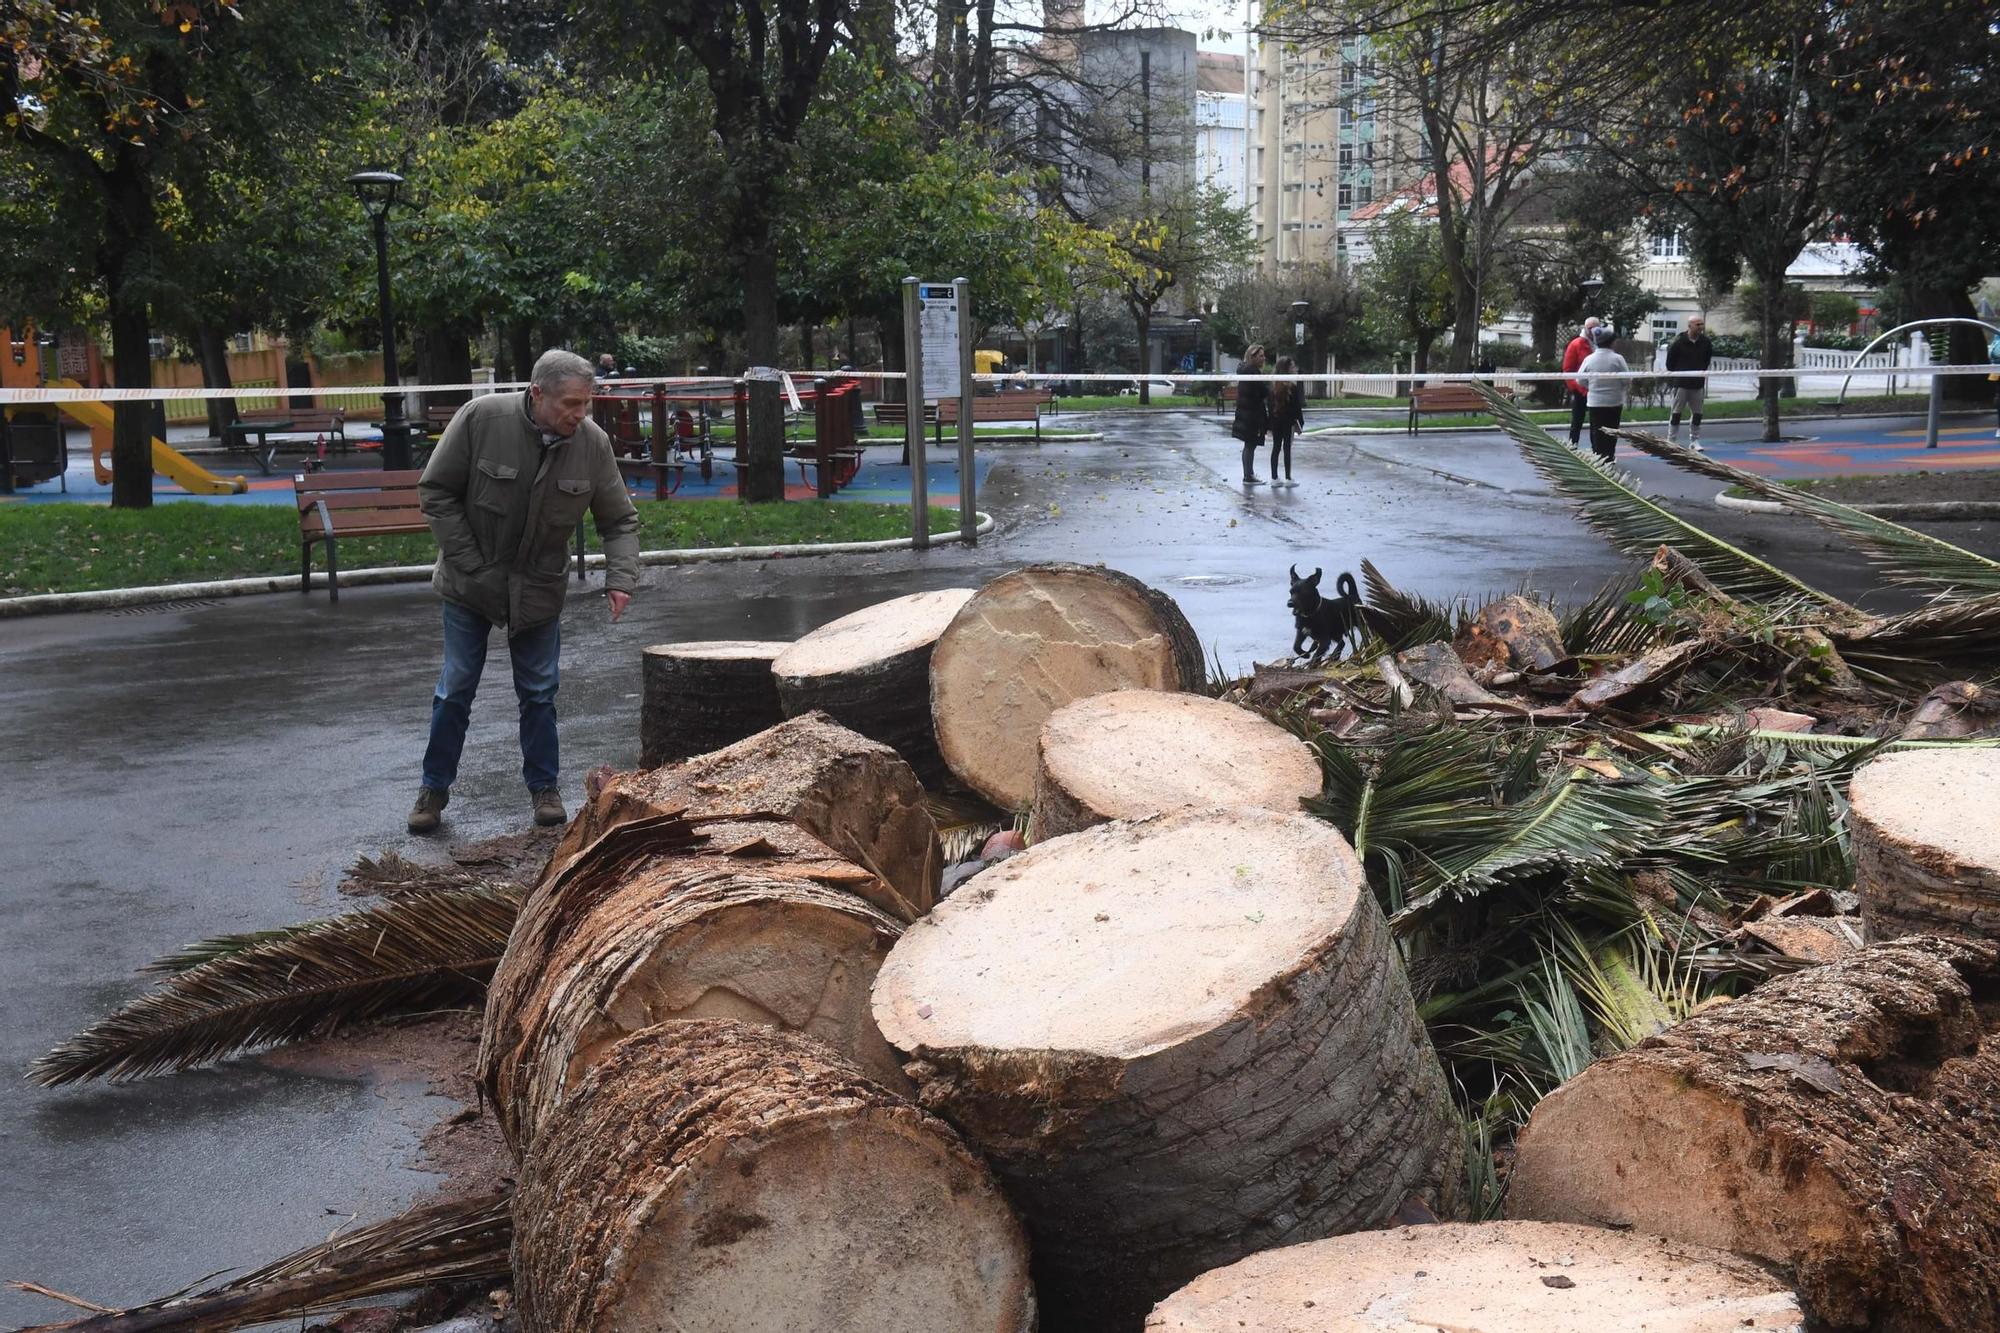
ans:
x=1665 y=327
x=1345 y=198
x=1346 y=158
x=1364 y=194
x=1668 y=245
x=1348 y=73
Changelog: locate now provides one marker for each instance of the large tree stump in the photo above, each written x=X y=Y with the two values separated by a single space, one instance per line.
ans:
x=1504 y=1277
x=755 y=921
x=702 y=696
x=1034 y=640
x=1178 y=1040
x=1843 y=1122
x=715 y=1178
x=855 y=795
x=1143 y=752
x=1926 y=831
x=871 y=671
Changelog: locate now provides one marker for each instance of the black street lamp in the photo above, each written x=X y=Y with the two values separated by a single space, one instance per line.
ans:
x=377 y=192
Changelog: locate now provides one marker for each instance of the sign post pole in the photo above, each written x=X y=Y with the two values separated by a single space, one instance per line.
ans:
x=913 y=427
x=968 y=484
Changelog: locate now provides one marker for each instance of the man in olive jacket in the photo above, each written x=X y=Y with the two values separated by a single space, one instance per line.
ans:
x=503 y=492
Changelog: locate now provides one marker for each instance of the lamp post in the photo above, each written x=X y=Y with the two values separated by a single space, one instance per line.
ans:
x=1061 y=330
x=1300 y=309
x=377 y=192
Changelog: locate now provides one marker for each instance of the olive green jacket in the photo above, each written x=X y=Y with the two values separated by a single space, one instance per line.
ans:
x=502 y=508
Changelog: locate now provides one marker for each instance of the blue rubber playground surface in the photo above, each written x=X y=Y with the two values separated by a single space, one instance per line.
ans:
x=1834 y=450
x=881 y=479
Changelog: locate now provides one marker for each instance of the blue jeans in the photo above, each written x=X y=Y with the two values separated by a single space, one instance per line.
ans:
x=534 y=653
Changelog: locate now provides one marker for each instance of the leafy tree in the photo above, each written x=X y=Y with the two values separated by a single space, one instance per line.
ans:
x=1408 y=285
x=1587 y=236
x=125 y=107
x=1182 y=237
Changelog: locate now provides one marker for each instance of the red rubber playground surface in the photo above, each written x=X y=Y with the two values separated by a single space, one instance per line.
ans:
x=1834 y=450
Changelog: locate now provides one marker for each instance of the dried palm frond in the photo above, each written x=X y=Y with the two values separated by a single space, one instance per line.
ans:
x=1638 y=527
x=422 y=952
x=1904 y=554
x=392 y=875
x=1402 y=620
x=1611 y=624
x=450 y=1242
x=1931 y=641
x=964 y=823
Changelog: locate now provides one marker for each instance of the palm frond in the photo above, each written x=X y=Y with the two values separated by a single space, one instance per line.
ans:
x=1905 y=555
x=964 y=823
x=1610 y=624
x=1637 y=526
x=1929 y=643
x=1401 y=619
x=425 y=951
x=451 y=1242
x=1695 y=733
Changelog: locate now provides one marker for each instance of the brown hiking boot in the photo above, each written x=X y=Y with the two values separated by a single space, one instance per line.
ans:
x=548 y=806
x=430 y=805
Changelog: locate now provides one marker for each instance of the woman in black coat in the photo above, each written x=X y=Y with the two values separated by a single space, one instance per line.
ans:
x=1253 y=412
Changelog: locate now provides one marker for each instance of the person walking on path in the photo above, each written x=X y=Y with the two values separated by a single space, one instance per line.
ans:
x=1253 y=412
x=506 y=486
x=1579 y=347
x=1604 y=394
x=1288 y=417
x=1690 y=351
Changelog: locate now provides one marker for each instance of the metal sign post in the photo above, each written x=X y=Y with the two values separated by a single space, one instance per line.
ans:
x=968 y=485
x=913 y=416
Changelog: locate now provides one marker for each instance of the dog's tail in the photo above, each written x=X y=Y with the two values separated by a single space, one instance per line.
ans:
x=1345 y=583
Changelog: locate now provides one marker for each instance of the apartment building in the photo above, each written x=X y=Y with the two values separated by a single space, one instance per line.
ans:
x=1324 y=147
x=1222 y=125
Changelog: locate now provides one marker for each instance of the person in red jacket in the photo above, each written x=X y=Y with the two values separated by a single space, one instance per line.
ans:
x=1579 y=347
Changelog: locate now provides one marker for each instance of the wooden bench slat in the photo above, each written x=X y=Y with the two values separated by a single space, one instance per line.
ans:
x=357 y=481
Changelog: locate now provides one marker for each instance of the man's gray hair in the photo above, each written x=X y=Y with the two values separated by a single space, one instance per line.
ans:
x=557 y=367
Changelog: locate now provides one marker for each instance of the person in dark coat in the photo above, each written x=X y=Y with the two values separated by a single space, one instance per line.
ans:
x=1288 y=417
x=1253 y=412
x=1690 y=351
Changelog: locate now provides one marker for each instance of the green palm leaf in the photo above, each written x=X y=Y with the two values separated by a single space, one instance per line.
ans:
x=1904 y=554
x=422 y=952
x=1637 y=526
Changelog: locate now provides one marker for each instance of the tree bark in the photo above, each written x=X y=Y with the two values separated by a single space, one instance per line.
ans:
x=1179 y=1040
x=1038 y=638
x=1534 y=1277
x=132 y=422
x=520 y=342
x=763 y=480
x=853 y=794
x=1134 y=753
x=1926 y=848
x=1843 y=1122
x=702 y=696
x=212 y=346
x=756 y=922
x=870 y=672
x=717 y=1176
x=1143 y=319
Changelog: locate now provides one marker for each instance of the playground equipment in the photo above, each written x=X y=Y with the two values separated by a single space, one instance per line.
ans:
x=22 y=369
x=1936 y=402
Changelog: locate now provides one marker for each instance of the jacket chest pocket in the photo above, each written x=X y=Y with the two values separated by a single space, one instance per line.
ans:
x=563 y=506
x=495 y=485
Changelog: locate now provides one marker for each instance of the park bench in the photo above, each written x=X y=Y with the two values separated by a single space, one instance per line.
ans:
x=1448 y=399
x=327 y=425
x=1018 y=405
x=898 y=414
x=333 y=505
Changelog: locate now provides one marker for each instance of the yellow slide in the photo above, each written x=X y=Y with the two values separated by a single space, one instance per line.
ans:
x=167 y=460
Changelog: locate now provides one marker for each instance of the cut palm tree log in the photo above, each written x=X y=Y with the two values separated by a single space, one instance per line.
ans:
x=1143 y=752
x=422 y=952
x=1926 y=831
x=1179 y=1040
x=1514 y=632
x=1506 y=1277
x=760 y=924
x=710 y=1177
x=1842 y=1122
x=1034 y=640
x=855 y=795
x=448 y=1242
x=1907 y=556
x=1954 y=710
x=704 y=695
x=871 y=671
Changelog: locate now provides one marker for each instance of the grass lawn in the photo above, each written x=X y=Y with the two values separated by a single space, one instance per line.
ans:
x=1747 y=409
x=75 y=548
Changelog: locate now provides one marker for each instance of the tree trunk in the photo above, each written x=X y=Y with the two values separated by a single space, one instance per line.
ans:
x=1143 y=319
x=1840 y=1122
x=521 y=343
x=212 y=346
x=132 y=422
x=444 y=356
x=1423 y=363
x=1134 y=753
x=856 y=796
x=702 y=696
x=1926 y=848
x=1769 y=292
x=1038 y=638
x=1179 y=1040
x=870 y=672
x=1540 y=1276
x=763 y=481
x=1963 y=344
x=717 y=1176
x=658 y=920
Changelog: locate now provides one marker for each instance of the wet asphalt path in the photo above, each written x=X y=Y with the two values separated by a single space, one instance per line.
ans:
x=177 y=773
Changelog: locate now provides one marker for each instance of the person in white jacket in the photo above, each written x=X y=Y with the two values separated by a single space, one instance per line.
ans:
x=1604 y=396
